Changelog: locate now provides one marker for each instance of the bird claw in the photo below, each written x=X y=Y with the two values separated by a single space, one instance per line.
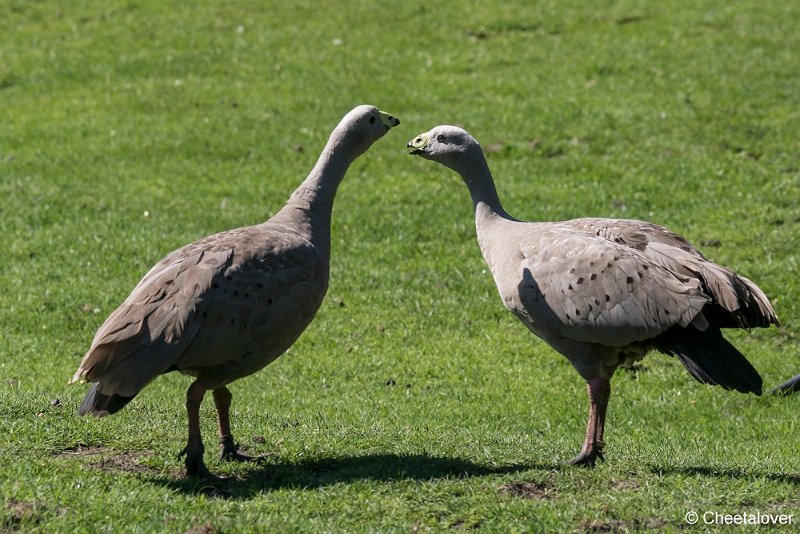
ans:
x=589 y=458
x=229 y=450
x=195 y=466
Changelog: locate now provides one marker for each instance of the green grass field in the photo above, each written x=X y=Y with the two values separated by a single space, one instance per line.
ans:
x=415 y=402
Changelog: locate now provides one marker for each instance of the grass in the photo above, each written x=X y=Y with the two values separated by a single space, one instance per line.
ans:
x=414 y=401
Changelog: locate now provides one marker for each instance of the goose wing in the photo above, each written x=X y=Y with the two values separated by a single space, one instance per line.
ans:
x=736 y=301
x=587 y=288
x=209 y=290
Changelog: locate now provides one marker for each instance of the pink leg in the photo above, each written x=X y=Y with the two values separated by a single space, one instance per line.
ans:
x=599 y=393
x=228 y=448
x=194 y=447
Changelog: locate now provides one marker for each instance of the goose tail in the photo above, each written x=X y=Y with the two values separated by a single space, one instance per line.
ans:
x=711 y=359
x=100 y=405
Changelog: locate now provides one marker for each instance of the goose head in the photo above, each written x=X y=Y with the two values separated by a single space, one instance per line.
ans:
x=364 y=125
x=448 y=145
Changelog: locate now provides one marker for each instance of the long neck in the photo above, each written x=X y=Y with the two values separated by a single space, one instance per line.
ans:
x=475 y=172
x=310 y=207
x=490 y=217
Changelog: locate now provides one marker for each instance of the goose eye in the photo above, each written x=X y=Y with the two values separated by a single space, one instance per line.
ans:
x=440 y=138
x=372 y=120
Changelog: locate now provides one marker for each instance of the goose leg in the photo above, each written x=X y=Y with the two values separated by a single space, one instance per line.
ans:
x=592 y=450
x=195 y=467
x=228 y=447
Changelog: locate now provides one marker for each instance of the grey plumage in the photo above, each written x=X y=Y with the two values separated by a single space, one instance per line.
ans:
x=604 y=292
x=225 y=306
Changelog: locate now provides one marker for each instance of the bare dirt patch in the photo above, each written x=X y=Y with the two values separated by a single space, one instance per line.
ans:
x=618 y=525
x=609 y=525
x=625 y=485
x=16 y=512
x=110 y=460
x=81 y=450
x=528 y=490
x=125 y=461
x=205 y=528
x=651 y=523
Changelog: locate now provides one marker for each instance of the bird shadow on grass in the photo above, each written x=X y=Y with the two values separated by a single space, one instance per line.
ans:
x=733 y=473
x=322 y=472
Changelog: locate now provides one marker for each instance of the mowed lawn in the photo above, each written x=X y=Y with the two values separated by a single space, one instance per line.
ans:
x=415 y=402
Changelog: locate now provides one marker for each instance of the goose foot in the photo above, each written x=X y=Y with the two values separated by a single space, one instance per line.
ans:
x=229 y=450
x=588 y=458
x=195 y=466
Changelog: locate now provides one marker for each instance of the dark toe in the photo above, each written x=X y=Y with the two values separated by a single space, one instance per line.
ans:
x=588 y=458
x=196 y=467
x=229 y=450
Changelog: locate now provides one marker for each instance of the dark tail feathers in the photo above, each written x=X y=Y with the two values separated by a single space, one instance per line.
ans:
x=101 y=405
x=710 y=358
x=790 y=386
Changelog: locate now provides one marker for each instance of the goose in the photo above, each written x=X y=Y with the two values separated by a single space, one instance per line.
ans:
x=604 y=292
x=227 y=305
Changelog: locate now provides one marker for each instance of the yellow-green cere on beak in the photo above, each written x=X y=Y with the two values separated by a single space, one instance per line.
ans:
x=419 y=142
x=388 y=120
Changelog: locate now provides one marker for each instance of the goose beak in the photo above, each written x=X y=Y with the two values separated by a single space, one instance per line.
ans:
x=418 y=144
x=389 y=121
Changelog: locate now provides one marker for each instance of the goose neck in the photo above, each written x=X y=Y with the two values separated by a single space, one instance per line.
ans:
x=311 y=205
x=318 y=190
x=479 y=181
